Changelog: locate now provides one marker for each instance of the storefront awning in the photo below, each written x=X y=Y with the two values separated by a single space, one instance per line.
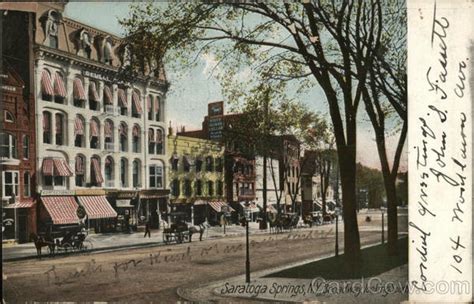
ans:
x=97 y=207
x=218 y=205
x=62 y=168
x=62 y=209
x=200 y=202
x=26 y=203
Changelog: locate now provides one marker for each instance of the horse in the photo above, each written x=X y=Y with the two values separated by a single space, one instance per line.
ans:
x=201 y=228
x=275 y=223
x=41 y=242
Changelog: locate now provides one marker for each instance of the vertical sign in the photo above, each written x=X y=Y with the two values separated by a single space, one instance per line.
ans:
x=440 y=74
x=216 y=120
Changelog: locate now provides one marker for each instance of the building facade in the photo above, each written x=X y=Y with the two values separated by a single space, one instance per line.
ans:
x=196 y=177
x=101 y=140
x=17 y=128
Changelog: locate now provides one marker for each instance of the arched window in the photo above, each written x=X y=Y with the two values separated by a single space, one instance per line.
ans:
x=210 y=188
x=108 y=99
x=80 y=170
x=46 y=127
x=136 y=139
x=123 y=172
x=156 y=176
x=94 y=101
x=96 y=172
x=109 y=135
x=151 y=141
x=198 y=186
x=159 y=141
x=60 y=92
x=60 y=132
x=136 y=104
x=109 y=172
x=136 y=173
x=26 y=146
x=149 y=106
x=187 y=187
x=157 y=108
x=79 y=131
x=94 y=133
x=78 y=93
x=209 y=164
x=123 y=137
x=7 y=146
x=8 y=116
x=47 y=89
x=122 y=102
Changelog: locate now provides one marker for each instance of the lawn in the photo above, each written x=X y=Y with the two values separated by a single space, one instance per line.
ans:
x=374 y=262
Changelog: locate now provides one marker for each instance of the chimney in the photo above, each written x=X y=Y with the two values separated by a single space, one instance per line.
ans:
x=170 y=130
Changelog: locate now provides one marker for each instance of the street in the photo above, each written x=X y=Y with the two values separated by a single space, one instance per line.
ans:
x=154 y=274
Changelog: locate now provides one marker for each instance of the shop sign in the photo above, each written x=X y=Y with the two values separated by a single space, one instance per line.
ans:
x=57 y=192
x=90 y=192
x=123 y=203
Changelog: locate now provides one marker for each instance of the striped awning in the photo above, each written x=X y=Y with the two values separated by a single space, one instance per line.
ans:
x=78 y=126
x=93 y=94
x=148 y=103
x=108 y=95
x=94 y=128
x=78 y=90
x=47 y=167
x=59 y=87
x=136 y=131
x=97 y=207
x=62 y=209
x=25 y=203
x=46 y=83
x=122 y=98
x=157 y=104
x=136 y=102
x=62 y=168
x=151 y=136
x=96 y=171
x=218 y=205
x=108 y=129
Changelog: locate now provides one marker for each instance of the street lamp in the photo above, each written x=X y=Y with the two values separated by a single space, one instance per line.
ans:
x=382 y=209
x=245 y=221
x=337 y=231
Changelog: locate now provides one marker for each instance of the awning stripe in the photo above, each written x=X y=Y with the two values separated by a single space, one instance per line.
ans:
x=62 y=168
x=78 y=90
x=122 y=99
x=47 y=167
x=59 y=87
x=46 y=83
x=136 y=102
x=93 y=94
x=27 y=203
x=62 y=209
x=217 y=206
x=78 y=126
x=96 y=168
x=97 y=207
x=108 y=95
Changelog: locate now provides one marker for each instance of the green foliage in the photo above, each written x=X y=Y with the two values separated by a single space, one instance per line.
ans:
x=370 y=186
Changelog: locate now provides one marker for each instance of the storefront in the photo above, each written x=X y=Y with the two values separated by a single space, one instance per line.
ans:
x=217 y=210
x=125 y=205
x=19 y=220
x=101 y=217
x=153 y=203
x=57 y=209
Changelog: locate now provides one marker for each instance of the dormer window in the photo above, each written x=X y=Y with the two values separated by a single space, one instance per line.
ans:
x=105 y=50
x=84 y=44
x=50 y=22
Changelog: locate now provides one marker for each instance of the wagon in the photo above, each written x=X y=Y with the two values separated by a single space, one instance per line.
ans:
x=178 y=232
x=73 y=240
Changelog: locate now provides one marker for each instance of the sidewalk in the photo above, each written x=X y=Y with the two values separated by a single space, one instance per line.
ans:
x=111 y=241
x=387 y=287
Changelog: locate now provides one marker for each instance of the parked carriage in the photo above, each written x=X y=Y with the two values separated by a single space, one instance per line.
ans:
x=178 y=232
x=73 y=240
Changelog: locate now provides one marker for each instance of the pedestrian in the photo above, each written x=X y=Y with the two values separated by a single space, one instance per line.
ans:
x=147 y=229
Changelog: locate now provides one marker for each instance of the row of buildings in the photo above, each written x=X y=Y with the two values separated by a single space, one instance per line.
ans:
x=77 y=136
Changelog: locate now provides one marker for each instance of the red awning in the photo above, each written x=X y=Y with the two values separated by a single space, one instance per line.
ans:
x=46 y=83
x=47 y=167
x=136 y=102
x=108 y=95
x=94 y=128
x=122 y=99
x=78 y=126
x=78 y=90
x=217 y=206
x=25 y=203
x=62 y=168
x=59 y=87
x=62 y=209
x=97 y=207
x=96 y=170
x=108 y=130
x=93 y=95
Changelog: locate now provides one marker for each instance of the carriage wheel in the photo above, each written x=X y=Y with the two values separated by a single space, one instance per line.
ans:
x=67 y=247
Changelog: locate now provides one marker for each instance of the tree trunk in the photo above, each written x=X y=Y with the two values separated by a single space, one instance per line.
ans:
x=392 y=216
x=264 y=218
x=323 y=194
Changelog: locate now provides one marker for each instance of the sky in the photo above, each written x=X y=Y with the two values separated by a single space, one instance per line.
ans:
x=190 y=93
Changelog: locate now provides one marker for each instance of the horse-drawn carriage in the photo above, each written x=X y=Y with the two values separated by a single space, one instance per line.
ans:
x=179 y=231
x=73 y=239
x=284 y=221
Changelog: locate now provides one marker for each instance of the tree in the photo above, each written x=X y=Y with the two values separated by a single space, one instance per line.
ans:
x=334 y=43
x=385 y=99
